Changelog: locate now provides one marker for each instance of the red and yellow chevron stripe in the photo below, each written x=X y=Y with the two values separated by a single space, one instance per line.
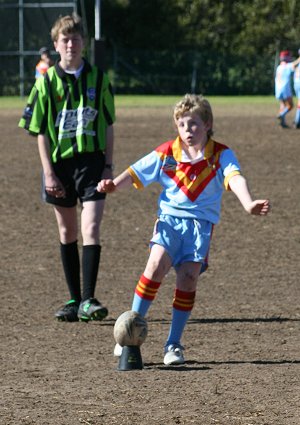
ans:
x=192 y=178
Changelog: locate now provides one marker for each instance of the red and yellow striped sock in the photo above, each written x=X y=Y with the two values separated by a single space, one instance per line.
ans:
x=147 y=288
x=145 y=293
x=184 y=300
x=183 y=304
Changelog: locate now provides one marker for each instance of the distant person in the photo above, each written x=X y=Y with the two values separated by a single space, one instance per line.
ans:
x=297 y=92
x=44 y=64
x=193 y=171
x=71 y=111
x=283 y=85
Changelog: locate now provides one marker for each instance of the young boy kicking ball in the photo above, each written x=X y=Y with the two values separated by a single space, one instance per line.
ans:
x=193 y=171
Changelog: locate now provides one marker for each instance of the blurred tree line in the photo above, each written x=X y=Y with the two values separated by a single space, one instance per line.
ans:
x=216 y=47
x=171 y=46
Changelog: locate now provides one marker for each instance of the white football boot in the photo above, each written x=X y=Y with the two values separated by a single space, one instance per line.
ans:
x=174 y=355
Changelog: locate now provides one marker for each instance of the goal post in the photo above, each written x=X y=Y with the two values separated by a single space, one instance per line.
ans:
x=97 y=43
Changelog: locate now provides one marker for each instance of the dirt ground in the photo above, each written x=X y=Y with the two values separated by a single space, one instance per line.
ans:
x=242 y=342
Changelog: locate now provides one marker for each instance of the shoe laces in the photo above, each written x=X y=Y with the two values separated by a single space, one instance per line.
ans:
x=173 y=347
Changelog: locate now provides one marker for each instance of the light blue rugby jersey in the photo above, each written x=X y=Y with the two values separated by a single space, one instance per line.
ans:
x=190 y=190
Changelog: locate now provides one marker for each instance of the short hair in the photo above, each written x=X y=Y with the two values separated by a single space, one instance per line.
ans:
x=285 y=55
x=195 y=104
x=69 y=24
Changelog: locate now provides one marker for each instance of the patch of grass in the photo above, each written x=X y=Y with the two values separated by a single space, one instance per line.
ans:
x=9 y=102
x=145 y=100
x=155 y=101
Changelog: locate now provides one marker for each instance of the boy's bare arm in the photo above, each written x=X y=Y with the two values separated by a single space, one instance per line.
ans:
x=122 y=181
x=239 y=187
x=296 y=62
x=52 y=184
x=44 y=151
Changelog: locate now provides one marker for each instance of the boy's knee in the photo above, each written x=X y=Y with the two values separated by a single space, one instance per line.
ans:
x=90 y=230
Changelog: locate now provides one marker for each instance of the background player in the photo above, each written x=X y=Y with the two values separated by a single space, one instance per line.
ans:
x=297 y=92
x=71 y=111
x=44 y=64
x=193 y=170
x=283 y=85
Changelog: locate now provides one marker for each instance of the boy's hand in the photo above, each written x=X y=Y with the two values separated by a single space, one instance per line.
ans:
x=106 y=186
x=259 y=207
x=54 y=187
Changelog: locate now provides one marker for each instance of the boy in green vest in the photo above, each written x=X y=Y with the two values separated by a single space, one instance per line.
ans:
x=71 y=111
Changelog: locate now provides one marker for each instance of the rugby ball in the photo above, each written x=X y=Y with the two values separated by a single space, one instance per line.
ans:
x=130 y=329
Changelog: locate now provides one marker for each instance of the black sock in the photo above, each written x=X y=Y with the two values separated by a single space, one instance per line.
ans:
x=70 y=260
x=90 y=265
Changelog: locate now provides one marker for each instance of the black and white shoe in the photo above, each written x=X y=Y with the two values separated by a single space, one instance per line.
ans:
x=68 y=313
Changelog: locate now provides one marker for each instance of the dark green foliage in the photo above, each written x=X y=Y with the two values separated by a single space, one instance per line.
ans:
x=173 y=46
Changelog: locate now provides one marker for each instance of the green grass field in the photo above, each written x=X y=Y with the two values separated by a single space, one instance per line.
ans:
x=151 y=101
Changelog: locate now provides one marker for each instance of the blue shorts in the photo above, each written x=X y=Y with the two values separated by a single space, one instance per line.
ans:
x=184 y=239
x=284 y=93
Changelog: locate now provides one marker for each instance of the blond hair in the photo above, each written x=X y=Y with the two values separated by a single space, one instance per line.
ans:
x=70 y=24
x=195 y=104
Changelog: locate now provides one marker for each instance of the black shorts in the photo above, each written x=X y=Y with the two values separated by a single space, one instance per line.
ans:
x=79 y=176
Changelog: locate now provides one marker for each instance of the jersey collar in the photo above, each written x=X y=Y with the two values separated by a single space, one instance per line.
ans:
x=62 y=74
x=177 y=149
